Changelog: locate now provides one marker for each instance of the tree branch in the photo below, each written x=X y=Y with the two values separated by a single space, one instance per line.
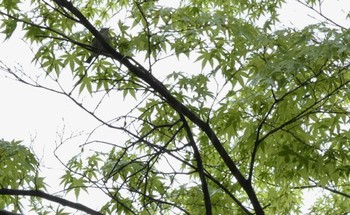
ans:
x=200 y=167
x=40 y=194
x=138 y=70
x=4 y=212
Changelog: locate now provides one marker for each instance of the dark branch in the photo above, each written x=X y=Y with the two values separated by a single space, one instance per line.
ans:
x=3 y=212
x=138 y=70
x=200 y=167
x=40 y=194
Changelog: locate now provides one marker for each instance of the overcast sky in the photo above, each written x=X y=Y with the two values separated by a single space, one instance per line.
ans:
x=28 y=113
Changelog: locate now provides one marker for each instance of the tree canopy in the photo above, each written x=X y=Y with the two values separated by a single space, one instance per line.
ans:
x=231 y=113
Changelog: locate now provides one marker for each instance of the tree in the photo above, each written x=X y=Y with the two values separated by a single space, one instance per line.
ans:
x=263 y=119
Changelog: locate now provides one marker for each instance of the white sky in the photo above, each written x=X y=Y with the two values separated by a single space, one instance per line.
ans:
x=28 y=113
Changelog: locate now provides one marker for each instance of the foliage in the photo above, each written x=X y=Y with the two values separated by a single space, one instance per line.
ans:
x=18 y=170
x=264 y=118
